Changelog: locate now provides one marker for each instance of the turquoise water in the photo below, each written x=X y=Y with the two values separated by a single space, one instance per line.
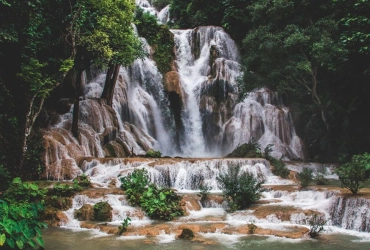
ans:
x=66 y=239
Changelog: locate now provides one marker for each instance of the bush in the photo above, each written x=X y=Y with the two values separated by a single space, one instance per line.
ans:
x=239 y=189
x=153 y=154
x=20 y=226
x=134 y=185
x=319 y=179
x=305 y=177
x=352 y=173
x=279 y=168
x=158 y=203
x=82 y=181
x=316 y=223
x=161 y=203
x=247 y=150
x=102 y=211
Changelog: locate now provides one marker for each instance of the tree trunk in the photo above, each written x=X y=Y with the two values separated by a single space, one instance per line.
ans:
x=76 y=106
x=33 y=110
x=110 y=83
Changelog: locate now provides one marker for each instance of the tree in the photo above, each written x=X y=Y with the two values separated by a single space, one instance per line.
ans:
x=290 y=44
x=352 y=173
x=239 y=189
x=29 y=70
x=100 y=33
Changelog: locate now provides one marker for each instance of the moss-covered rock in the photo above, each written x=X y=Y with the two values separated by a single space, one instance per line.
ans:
x=103 y=211
x=186 y=234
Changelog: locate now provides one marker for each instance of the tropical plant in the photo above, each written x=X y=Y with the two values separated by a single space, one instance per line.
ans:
x=351 y=174
x=305 y=176
x=20 y=207
x=247 y=150
x=158 y=203
x=124 y=225
x=161 y=203
x=135 y=184
x=240 y=189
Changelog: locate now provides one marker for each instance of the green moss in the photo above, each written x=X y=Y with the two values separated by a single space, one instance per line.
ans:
x=102 y=211
x=159 y=37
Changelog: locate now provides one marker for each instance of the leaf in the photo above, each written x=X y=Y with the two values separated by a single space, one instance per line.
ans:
x=20 y=244
x=2 y=239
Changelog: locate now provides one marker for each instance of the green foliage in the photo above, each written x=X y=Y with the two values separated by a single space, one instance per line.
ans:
x=351 y=174
x=153 y=154
x=19 y=191
x=159 y=37
x=239 y=189
x=158 y=203
x=305 y=177
x=19 y=216
x=279 y=167
x=247 y=150
x=160 y=4
x=82 y=181
x=102 y=211
x=135 y=184
x=124 y=225
x=316 y=223
x=4 y=178
x=161 y=203
x=65 y=189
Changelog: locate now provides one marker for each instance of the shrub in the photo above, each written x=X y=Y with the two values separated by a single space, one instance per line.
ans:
x=82 y=181
x=158 y=203
x=352 y=173
x=102 y=211
x=239 y=189
x=20 y=226
x=279 y=168
x=153 y=154
x=65 y=189
x=161 y=203
x=319 y=179
x=135 y=184
x=305 y=177
x=247 y=150
x=316 y=223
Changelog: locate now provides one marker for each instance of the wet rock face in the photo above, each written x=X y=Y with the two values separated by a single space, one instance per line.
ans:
x=86 y=212
x=351 y=213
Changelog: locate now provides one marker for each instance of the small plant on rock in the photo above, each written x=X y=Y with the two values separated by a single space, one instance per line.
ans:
x=153 y=154
x=251 y=227
x=102 y=211
x=124 y=225
x=204 y=194
x=305 y=177
x=316 y=223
